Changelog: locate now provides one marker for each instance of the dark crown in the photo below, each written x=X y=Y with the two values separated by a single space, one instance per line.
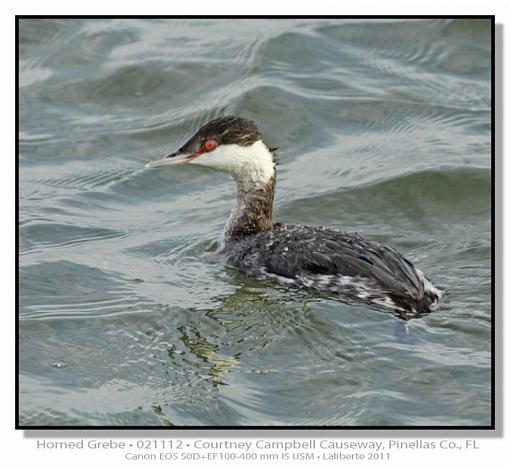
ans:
x=226 y=130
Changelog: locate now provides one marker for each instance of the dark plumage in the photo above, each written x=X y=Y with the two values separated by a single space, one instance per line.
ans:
x=334 y=261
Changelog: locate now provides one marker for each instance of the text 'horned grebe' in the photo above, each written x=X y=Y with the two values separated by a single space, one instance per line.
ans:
x=327 y=260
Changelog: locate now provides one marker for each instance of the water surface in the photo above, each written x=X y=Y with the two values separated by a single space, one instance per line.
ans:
x=127 y=314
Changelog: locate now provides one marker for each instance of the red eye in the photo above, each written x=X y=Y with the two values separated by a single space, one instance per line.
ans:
x=210 y=145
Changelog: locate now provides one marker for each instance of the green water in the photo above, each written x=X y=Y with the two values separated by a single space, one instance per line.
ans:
x=127 y=314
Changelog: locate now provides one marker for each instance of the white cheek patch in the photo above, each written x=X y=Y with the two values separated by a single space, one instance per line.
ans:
x=253 y=162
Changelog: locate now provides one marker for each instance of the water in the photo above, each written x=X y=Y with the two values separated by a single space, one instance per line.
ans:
x=127 y=314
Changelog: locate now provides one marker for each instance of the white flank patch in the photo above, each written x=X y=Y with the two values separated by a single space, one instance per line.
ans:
x=351 y=286
x=251 y=163
x=427 y=286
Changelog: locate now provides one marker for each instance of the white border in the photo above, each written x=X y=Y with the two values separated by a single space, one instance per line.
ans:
x=19 y=451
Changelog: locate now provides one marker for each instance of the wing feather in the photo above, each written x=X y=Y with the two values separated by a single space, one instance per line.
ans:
x=294 y=250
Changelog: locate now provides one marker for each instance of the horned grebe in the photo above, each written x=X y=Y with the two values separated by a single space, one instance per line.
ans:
x=332 y=261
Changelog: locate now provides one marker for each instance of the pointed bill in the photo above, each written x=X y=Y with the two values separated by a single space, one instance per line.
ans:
x=170 y=160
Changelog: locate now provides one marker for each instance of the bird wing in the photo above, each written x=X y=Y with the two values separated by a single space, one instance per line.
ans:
x=294 y=250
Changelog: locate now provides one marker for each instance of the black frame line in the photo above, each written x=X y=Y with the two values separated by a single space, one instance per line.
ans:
x=492 y=426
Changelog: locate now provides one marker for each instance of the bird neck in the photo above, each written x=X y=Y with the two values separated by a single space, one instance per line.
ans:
x=253 y=211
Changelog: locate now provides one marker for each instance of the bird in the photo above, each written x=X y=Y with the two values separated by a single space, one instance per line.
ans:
x=342 y=264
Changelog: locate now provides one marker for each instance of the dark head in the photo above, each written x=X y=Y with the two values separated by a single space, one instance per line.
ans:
x=231 y=144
